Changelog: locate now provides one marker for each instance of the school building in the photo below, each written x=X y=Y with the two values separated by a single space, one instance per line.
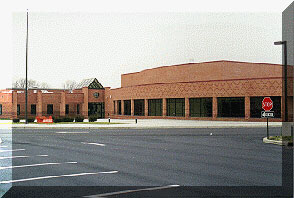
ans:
x=218 y=90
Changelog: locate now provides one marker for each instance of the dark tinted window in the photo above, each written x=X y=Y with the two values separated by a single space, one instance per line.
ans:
x=200 y=107
x=175 y=107
x=155 y=107
x=231 y=107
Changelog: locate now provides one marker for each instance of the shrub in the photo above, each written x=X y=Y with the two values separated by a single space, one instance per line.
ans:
x=79 y=119
x=56 y=120
x=93 y=118
x=15 y=120
x=68 y=119
x=31 y=119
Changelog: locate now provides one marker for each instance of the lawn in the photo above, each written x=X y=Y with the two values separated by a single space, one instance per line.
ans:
x=281 y=138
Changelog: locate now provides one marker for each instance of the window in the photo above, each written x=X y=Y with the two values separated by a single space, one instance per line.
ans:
x=67 y=109
x=49 y=108
x=139 y=107
x=18 y=109
x=119 y=107
x=0 y=109
x=127 y=107
x=176 y=107
x=33 y=109
x=155 y=107
x=256 y=106
x=231 y=107
x=78 y=108
x=200 y=107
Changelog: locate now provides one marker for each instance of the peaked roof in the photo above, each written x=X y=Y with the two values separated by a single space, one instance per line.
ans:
x=91 y=83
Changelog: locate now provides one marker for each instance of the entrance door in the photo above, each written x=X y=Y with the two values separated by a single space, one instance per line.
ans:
x=96 y=109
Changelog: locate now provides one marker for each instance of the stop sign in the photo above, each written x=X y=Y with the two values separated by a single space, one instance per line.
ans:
x=267 y=104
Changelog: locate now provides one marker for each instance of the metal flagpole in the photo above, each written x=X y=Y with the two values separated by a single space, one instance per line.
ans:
x=26 y=113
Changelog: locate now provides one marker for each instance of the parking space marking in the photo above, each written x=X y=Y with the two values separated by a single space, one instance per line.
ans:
x=131 y=191
x=12 y=157
x=1 y=151
x=54 y=176
x=32 y=165
x=3 y=146
x=71 y=132
x=97 y=144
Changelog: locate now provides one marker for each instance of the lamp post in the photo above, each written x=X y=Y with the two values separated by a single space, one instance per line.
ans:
x=26 y=111
x=284 y=43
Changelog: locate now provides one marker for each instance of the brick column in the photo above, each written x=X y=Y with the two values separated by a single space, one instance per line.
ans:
x=62 y=104
x=114 y=107
x=39 y=105
x=146 y=107
x=187 y=108
x=247 y=107
x=132 y=107
x=85 y=103
x=14 y=104
x=108 y=102
x=214 y=107
x=164 y=107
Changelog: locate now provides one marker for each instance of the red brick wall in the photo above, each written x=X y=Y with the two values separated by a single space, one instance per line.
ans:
x=6 y=101
x=218 y=70
x=91 y=97
x=215 y=79
x=272 y=87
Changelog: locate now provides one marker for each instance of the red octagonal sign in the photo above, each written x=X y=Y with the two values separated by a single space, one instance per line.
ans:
x=267 y=104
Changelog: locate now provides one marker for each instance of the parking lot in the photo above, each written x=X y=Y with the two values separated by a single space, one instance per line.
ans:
x=161 y=158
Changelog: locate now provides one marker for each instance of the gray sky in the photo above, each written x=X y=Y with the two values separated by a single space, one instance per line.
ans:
x=81 y=43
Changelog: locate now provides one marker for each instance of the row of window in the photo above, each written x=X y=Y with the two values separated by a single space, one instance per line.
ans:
x=199 y=107
x=49 y=109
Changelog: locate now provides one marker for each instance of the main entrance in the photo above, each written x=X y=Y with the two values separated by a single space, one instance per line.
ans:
x=96 y=108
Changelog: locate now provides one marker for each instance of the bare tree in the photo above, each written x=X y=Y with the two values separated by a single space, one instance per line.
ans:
x=70 y=84
x=21 y=83
x=44 y=85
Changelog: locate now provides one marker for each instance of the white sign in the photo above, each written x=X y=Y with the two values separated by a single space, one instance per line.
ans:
x=267 y=114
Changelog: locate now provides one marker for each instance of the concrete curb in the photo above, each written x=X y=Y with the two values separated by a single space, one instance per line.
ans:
x=131 y=127
x=281 y=143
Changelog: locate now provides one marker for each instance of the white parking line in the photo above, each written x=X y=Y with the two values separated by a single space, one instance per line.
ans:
x=97 y=144
x=71 y=132
x=12 y=157
x=53 y=176
x=2 y=151
x=130 y=191
x=32 y=165
x=3 y=146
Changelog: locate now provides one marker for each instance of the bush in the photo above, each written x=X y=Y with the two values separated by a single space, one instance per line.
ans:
x=79 y=119
x=56 y=120
x=15 y=120
x=93 y=118
x=31 y=119
x=68 y=119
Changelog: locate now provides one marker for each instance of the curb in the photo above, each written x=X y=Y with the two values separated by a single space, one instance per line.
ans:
x=131 y=127
x=281 y=143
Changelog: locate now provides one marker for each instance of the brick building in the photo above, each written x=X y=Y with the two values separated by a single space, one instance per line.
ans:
x=219 y=90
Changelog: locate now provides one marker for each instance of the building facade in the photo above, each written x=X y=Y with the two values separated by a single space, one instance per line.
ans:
x=219 y=90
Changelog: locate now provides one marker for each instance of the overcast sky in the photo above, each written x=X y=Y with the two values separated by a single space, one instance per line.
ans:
x=81 y=42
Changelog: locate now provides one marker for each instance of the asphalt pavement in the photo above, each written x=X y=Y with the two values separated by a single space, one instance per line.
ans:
x=144 y=157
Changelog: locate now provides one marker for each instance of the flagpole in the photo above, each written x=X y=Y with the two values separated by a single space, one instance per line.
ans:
x=26 y=111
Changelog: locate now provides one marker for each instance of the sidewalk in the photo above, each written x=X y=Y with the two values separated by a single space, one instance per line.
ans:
x=145 y=123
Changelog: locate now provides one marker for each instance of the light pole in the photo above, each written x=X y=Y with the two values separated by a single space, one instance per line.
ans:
x=26 y=111
x=284 y=43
